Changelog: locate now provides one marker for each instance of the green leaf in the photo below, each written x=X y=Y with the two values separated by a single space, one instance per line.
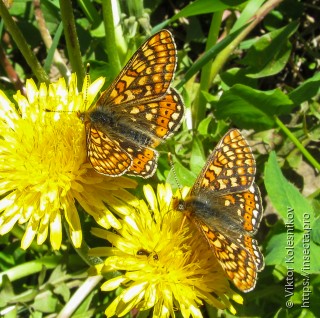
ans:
x=98 y=69
x=235 y=76
x=284 y=196
x=205 y=6
x=52 y=49
x=185 y=176
x=18 y=8
x=307 y=90
x=201 y=7
x=203 y=127
x=252 y=109
x=63 y=290
x=209 y=97
x=302 y=257
x=316 y=231
x=45 y=302
x=197 y=160
x=90 y=11
x=269 y=55
x=208 y=56
x=247 y=13
x=99 y=31
x=6 y=292
x=84 y=309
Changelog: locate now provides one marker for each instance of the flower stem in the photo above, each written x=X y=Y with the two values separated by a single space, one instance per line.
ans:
x=224 y=55
x=72 y=41
x=78 y=297
x=22 y=44
x=297 y=143
x=110 y=43
x=47 y=40
x=30 y=268
x=10 y=71
x=199 y=105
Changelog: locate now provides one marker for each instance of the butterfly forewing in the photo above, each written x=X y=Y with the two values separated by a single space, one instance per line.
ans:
x=147 y=75
x=158 y=119
x=230 y=167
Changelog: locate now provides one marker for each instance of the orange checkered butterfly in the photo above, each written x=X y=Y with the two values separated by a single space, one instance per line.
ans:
x=136 y=113
x=225 y=205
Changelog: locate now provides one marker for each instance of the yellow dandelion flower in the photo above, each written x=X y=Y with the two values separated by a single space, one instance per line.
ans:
x=165 y=267
x=43 y=166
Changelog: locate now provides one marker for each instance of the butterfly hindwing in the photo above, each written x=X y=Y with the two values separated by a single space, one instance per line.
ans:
x=249 y=208
x=236 y=260
x=144 y=162
x=105 y=154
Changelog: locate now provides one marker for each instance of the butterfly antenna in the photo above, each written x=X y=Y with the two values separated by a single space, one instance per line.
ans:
x=179 y=186
x=171 y=163
x=47 y=110
x=87 y=81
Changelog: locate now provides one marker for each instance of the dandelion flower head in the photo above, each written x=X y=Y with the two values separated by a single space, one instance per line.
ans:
x=163 y=266
x=43 y=166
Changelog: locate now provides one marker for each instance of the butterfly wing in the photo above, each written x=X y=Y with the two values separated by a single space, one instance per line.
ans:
x=136 y=112
x=147 y=75
x=234 y=212
x=139 y=129
x=144 y=163
x=249 y=208
x=241 y=259
x=155 y=120
x=105 y=154
x=226 y=206
x=227 y=223
x=230 y=167
x=163 y=117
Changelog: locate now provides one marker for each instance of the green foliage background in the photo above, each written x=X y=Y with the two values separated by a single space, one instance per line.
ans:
x=246 y=64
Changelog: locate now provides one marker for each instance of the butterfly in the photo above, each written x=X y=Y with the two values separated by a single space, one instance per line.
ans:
x=136 y=113
x=225 y=205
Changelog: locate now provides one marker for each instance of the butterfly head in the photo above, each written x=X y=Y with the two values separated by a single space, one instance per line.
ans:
x=81 y=116
x=84 y=117
x=179 y=204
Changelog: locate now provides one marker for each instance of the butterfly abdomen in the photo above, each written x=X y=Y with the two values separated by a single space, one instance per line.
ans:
x=138 y=137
